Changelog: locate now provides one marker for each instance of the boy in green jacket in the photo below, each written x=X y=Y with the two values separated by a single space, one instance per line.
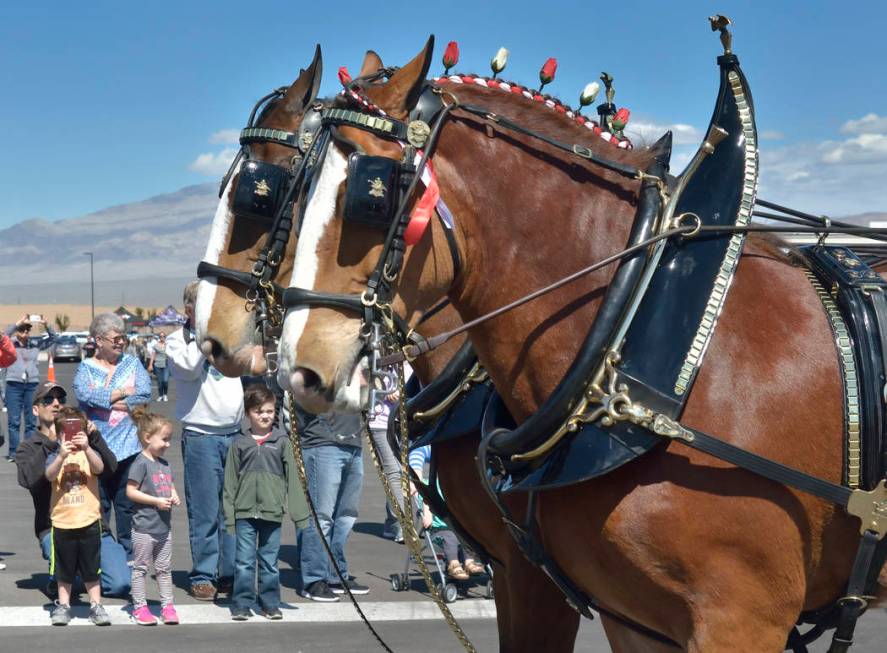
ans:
x=260 y=485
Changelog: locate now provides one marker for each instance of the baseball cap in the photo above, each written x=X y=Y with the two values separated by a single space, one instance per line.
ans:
x=45 y=388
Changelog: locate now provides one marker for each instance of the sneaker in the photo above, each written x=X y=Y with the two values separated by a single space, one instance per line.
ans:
x=169 y=615
x=240 y=614
x=356 y=588
x=319 y=591
x=61 y=614
x=225 y=587
x=10 y=459
x=2 y=564
x=274 y=614
x=98 y=615
x=143 y=617
x=398 y=539
x=203 y=591
x=392 y=532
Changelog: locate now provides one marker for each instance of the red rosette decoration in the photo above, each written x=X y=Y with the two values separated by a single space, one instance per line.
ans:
x=620 y=120
x=344 y=76
x=548 y=71
x=450 y=56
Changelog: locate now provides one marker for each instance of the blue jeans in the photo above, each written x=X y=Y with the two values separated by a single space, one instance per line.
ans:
x=335 y=478
x=115 y=573
x=19 y=397
x=212 y=548
x=112 y=492
x=162 y=374
x=267 y=548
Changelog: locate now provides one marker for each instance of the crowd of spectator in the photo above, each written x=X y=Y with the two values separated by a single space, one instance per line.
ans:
x=105 y=457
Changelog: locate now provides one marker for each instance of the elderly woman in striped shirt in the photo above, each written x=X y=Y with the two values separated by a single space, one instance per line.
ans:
x=108 y=386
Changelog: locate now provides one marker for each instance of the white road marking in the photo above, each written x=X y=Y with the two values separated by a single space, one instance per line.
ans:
x=210 y=613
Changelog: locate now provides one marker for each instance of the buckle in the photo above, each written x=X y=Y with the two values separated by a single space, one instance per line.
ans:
x=583 y=151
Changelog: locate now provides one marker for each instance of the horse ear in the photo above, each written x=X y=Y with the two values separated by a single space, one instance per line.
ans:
x=403 y=89
x=661 y=149
x=372 y=63
x=304 y=90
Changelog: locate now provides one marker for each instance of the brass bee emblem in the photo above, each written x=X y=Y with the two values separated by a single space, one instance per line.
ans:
x=262 y=188
x=377 y=188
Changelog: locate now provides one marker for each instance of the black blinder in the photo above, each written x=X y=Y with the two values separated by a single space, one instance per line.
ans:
x=372 y=193
x=260 y=188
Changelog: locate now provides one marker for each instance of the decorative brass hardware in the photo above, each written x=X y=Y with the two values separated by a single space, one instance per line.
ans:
x=377 y=187
x=476 y=374
x=734 y=249
x=719 y=22
x=607 y=400
x=844 y=344
x=262 y=188
x=418 y=132
x=871 y=508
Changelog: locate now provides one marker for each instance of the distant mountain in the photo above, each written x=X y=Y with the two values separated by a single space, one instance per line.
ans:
x=139 y=249
x=144 y=251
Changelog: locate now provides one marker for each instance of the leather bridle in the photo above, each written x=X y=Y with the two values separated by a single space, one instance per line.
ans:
x=271 y=203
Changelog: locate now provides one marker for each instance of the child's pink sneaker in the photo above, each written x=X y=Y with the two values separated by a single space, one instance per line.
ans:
x=169 y=615
x=143 y=616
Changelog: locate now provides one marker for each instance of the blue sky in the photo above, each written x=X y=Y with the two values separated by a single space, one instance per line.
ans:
x=111 y=102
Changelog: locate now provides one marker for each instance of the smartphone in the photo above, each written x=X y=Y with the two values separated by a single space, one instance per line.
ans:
x=72 y=428
x=34 y=317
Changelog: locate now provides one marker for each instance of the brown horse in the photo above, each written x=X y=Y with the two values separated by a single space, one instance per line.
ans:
x=524 y=596
x=226 y=332
x=715 y=558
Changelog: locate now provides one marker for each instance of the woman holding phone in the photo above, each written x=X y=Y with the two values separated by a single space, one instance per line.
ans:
x=108 y=386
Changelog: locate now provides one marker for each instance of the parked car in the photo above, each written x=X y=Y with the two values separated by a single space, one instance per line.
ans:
x=66 y=348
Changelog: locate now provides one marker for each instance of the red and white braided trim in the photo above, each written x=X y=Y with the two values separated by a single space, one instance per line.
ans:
x=591 y=125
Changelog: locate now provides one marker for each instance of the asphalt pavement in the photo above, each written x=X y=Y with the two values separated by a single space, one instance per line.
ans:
x=407 y=621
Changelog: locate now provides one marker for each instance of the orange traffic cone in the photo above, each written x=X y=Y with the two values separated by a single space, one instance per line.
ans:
x=50 y=373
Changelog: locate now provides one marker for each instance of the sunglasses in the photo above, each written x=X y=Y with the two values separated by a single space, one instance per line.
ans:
x=48 y=399
x=119 y=340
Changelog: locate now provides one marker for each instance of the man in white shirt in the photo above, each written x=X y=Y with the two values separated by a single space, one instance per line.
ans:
x=210 y=407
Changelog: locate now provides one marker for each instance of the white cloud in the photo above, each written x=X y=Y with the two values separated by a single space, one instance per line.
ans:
x=213 y=163
x=649 y=132
x=870 y=123
x=771 y=135
x=226 y=137
x=865 y=148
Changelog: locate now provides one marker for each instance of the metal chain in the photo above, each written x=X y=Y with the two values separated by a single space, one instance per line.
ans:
x=411 y=537
x=404 y=513
x=303 y=479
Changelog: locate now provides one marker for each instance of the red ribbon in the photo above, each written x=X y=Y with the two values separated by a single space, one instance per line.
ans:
x=424 y=208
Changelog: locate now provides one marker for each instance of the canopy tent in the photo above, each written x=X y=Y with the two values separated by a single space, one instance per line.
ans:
x=130 y=319
x=169 y=316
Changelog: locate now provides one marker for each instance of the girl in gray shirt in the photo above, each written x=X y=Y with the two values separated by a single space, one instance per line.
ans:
x=150 y=488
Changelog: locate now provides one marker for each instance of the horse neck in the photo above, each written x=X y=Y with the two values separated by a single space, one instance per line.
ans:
x=522 y=230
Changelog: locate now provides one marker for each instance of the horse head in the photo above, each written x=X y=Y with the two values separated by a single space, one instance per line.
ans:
x=323 y=347
x=225 y=320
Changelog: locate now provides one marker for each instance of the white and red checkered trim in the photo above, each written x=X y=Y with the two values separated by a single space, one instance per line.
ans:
x=551 y=103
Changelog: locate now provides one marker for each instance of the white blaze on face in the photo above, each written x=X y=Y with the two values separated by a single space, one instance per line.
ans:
x=319 y=211
x=218 y=237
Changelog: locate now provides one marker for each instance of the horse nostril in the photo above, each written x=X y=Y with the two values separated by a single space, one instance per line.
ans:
x=212 y=349
x=310 y=379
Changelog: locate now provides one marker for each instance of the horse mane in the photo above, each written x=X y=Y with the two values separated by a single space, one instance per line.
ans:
x=546 y=115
